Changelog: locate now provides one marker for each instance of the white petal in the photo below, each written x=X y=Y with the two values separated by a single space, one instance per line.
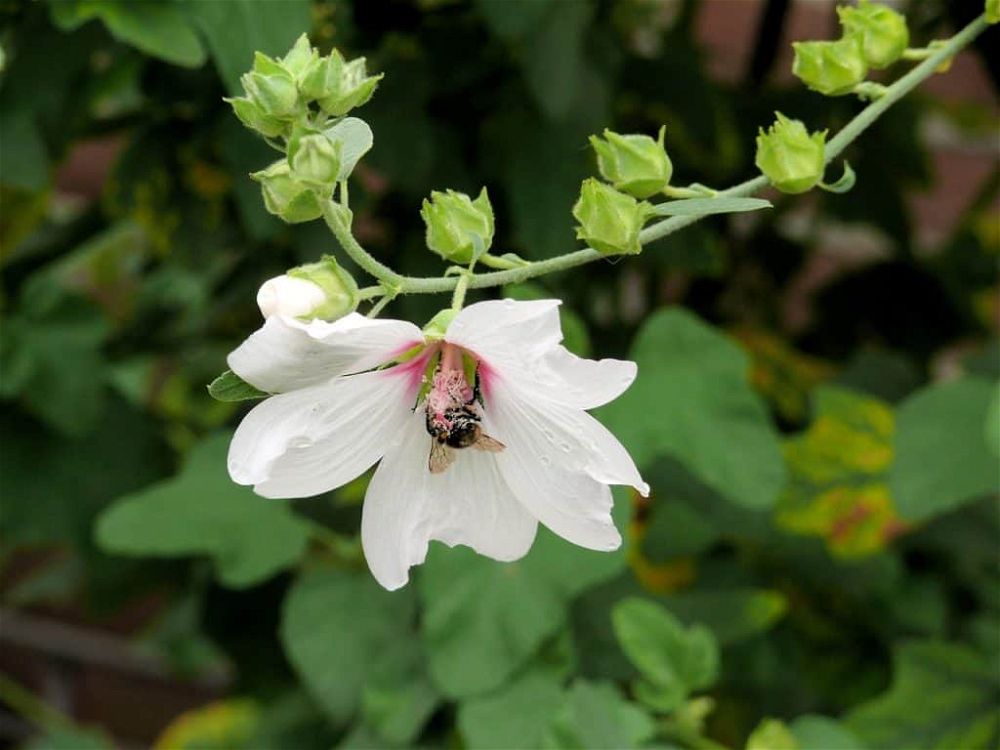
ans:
x=507 y=332
x=286 y=354
x=570 y=502
x=288 y=295
x=564 y=436
x=562 y=377
x=314 y=439
x=406 y=506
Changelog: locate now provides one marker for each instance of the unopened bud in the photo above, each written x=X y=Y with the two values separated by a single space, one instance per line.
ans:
x=831 y=68
x=609 y=221
x=992 y=11
x=316 y=290
x=881 y=31
x=315 y=159
x=634 y=163
x=789 y=156
x=299 y=58
x=459 y=229
x=252 y=116
x=271 y=87
x=337 y=85
x=285 y=196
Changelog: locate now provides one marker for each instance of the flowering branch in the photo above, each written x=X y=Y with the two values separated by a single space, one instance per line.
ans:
x=395 y=283
x=300 y=103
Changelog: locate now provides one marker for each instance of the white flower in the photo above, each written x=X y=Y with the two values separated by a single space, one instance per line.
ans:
x=287 y=295
x=526 y=450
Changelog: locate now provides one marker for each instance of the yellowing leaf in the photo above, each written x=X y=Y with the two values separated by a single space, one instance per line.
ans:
x=781 y=374
x=226 y=724
x=838 y=475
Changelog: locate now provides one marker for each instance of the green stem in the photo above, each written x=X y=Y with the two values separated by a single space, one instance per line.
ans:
x=836 y=145
x=29 y=707
x=380 y=305
x=370 y=292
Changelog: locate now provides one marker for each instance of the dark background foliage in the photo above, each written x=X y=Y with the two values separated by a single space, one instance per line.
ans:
x=835 y=536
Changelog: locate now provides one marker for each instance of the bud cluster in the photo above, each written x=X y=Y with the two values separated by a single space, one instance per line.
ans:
x=278 y=93
x=874 y=36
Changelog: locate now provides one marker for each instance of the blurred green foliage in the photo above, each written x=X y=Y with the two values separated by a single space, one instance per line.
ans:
x=818 y=564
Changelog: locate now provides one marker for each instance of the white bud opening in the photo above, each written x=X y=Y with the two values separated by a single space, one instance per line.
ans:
x=286 y=295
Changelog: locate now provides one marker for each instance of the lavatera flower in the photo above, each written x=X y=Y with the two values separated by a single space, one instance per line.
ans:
x=481 y=433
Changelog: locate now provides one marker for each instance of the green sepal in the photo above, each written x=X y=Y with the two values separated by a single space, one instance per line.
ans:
x=231 y=387
x=844 y=184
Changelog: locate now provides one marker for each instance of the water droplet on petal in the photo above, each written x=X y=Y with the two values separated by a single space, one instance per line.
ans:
x=545 y=460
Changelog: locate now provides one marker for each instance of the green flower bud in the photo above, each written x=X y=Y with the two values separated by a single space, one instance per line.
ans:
x=340 y=290
x=252 y=116
x=634 y=163
x=609 y=221
x=285 y=196
x=831 y=68
x=315 y=159
x=300 y=58
x=992 y=11
x=881 y=31
x=271 y=87
x=458 y=228
x=339 y=86
x=789 y=156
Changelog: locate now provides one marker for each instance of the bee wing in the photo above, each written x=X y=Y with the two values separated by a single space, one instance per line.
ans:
x=488 y=444
x=441 y=457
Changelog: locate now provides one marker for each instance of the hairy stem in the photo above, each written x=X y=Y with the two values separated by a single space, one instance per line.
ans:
x=339 y=221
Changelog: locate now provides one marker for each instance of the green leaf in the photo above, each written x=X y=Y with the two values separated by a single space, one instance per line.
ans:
x=942 y=459
x=838 y=484
x=673 y=661
x=72 y=738
x=733 y=615
x=70 y=399
x=484 y=619
x=231 y=387
x=157 y=27
x=201 y=511
x=235 y=29
x=518 y=715
x=356 y=140
x=344 y=635
x=398 y=712
x=708 y=206
x=772 y=734
x=818 y=732
x=943 y=696
x=595 y=715
x=992 y=426
x=25 y=158
x=54 y=486
x=692 y=400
